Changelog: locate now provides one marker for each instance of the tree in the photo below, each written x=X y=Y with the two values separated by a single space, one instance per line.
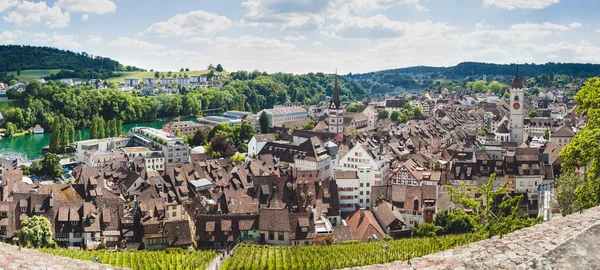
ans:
x=221 y=129
x=547 y=134
x=395 y=115
x=79 y=137
x=238 y=157
x=36 y=167
x=566 y=185
x=119 y=127
x=490 y=214
x=210 y=67
x=36 y=231
x=506 y=95
x=71 y=134
x=197 y=139
x=532 y=114
x=178 y=133
x=453 y=223
x=51 y=165
x=353 y=107
x=113 y=128
x=310 y=125
x=181 y=70
x=495 y=87
x=219 y=68
x=187 y=69
x=10 y=129
x=263 y=120
x=222 y=145
x=15 y=115
x=384 y=114
x=482 y=132
x=478 y=86
x=418 y=111
x=157 y=74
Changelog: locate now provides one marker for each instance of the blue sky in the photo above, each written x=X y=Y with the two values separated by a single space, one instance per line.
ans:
x=302 y=36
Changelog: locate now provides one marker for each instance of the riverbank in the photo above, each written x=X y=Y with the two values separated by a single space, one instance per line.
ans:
x=29 y=147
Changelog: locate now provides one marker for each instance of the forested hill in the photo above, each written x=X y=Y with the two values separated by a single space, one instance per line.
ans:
x=470 y=69
x=17 y=57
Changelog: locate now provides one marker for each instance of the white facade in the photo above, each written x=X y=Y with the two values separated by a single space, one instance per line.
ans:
x=371 y=114
x=279 y=116
x=183 y=81
x=174 y=148
x=254 y=146
x=517 y=100
x=308 y=165
x=358 y=158
x=167 y=81
x=336 y=121
x=152 y=81
x=198 y=79
x=348 y=193
x=100 y=145
x=132 y=82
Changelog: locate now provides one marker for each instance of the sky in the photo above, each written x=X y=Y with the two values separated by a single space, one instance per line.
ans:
x=301 y=36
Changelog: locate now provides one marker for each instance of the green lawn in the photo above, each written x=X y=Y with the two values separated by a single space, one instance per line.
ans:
x=141 y=75
x=32 y=74
x=9 y=104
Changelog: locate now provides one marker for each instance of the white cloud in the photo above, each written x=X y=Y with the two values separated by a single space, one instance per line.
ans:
x=56 y=40
x=95 y=39
x=295 y=38
x=318 y=44
x=294 y=15
x=193 y=23
x=85 y=17
x=8 y=37
x=136 y=44
x=575 y=25
x=538 y=27
x=197 y=40
x=520 y=4
x=255 y=43
x=88 y=6
x=6 y=4
x=380 y=27
x=31 y=12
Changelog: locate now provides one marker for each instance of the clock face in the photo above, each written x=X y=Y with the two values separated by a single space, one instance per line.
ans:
x=516 y=105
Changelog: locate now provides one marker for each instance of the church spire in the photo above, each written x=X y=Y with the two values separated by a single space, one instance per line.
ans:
x=517 y=83
x=336 y=94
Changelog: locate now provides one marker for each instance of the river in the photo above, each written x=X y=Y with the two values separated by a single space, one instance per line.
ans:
x=30 y=147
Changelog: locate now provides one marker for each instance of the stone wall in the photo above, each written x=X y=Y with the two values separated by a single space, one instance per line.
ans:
x=12 y=258
x=571 y=242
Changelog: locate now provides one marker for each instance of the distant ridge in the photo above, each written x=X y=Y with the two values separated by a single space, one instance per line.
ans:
x=17 y=57
x=467 y=69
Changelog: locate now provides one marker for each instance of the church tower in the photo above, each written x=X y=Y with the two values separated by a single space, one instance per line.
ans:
x=517 y=95
x=336 y=112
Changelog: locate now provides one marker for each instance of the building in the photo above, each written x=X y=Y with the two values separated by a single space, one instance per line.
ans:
x=37 y=129
x=213 y=120
x=183 y=81
x=167 y=81
x=367 y=157
x=395 y=104
x=364 y=226
x=336 y=112
x=67 y=81
x=256 y=144
x=154 y=160
x=150 y=81
x=198 y=79
x=185 y=127
x=174 y=148
x=562 y=136
x=279 y=116
x=348 y=190
x=99 y=145
x=517 y=116
x=237 y=115
x=132 y=82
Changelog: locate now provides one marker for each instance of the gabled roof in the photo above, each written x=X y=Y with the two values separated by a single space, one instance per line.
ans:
x=563 y=131
x=274 y=220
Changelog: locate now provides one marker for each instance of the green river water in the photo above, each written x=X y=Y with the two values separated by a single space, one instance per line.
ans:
x=30 y=147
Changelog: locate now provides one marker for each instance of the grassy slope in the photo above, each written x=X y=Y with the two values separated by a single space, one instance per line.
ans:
x=141 y=75
x=32 y=74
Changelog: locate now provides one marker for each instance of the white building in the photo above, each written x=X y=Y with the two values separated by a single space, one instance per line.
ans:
x=354 y=187
x=198 y=79
x=517 y=117
x=67 y=81
x=132 y=82
x=167 y=81
x=153 y=159
x=150 y=81
x=174 y=148
x=363 y=157
x=279 y=116
x=100 y=145
x=256 y=144
x=183 y=81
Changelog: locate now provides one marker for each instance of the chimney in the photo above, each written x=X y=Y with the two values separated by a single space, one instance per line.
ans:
x=51 y=201
x=362 y=213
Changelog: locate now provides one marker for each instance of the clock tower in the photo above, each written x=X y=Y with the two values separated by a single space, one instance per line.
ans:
x=336 y=112
x=517 y=99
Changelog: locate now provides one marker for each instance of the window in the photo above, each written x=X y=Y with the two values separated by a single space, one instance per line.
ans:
x=23 y=209
x=368 y=192
x=361 y=193
x=73 y=222
x=368 y=185
x=361 y=200
x=271 y=235
x=361 y=184
x=280 y=236
x=368 y=201
x=416 y=205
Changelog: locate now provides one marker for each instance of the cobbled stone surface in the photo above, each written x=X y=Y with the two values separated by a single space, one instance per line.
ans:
x=12 y=258
x=561 y=243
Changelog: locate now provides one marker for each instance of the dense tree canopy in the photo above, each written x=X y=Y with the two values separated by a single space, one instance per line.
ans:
x=36 y=231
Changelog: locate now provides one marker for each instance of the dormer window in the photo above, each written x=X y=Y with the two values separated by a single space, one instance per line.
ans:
x=73 y=223
x=23 y=209
x=304 y=229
